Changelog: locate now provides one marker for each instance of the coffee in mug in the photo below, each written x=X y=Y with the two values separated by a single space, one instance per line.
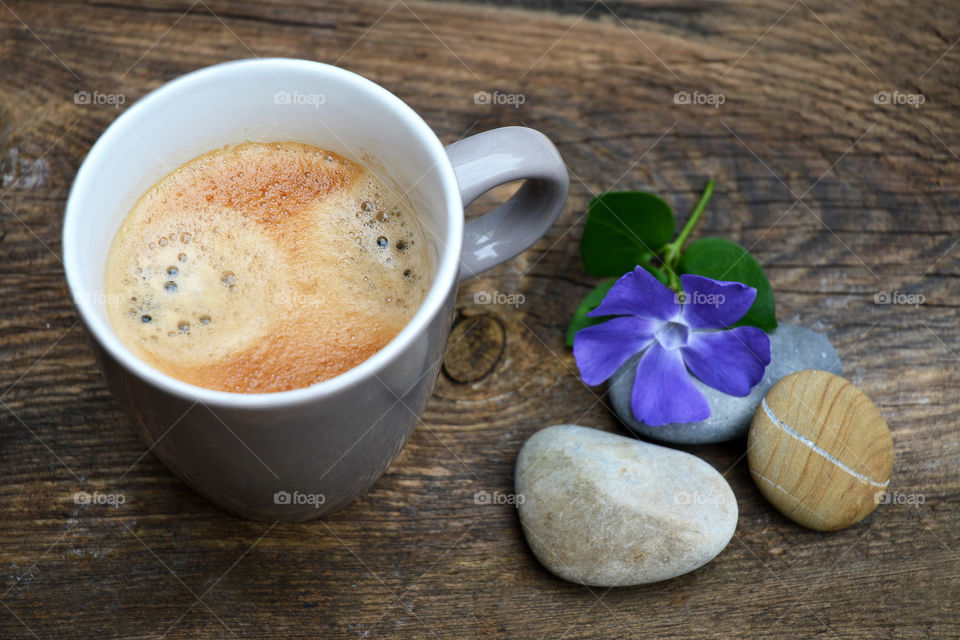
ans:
x=264 y=267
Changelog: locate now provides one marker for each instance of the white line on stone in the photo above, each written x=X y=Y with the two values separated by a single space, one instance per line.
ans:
x=773 y=484
x=818 y=449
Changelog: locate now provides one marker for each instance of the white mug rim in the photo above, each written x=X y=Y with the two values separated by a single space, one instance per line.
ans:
x=446 y=276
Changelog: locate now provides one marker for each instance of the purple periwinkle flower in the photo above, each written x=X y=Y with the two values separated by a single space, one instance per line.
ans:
x=677 y=338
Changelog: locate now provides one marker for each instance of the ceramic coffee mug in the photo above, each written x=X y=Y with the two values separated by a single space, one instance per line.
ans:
x=299 y=454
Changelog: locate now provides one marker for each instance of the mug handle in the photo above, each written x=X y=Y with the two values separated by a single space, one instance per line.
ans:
x=486 y=160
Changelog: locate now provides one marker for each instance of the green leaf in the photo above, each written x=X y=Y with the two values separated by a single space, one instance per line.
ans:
x=624 y=229
x=658 y=273
x=591 y=302
x=721 y=259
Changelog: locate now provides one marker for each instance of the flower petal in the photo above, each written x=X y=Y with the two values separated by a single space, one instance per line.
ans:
x=638 y=293
x=601 y=349
x=664 y=392
x=714 y=304
x=729 y=361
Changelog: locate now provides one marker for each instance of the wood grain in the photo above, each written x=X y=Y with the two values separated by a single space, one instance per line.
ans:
x=837 y=196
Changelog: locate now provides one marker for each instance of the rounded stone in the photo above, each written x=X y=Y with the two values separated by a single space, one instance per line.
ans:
x=792 y=348
x=606 y=510
x=820 y=451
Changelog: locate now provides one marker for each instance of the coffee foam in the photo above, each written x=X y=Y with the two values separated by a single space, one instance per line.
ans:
x=265 y=267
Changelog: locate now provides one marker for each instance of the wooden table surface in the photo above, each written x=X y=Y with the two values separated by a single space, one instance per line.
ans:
x=839 y=198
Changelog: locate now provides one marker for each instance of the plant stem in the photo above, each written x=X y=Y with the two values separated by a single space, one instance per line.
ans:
x=671 y=251
x=695 y=216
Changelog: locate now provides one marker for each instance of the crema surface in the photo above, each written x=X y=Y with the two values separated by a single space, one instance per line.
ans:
x=265 y=267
